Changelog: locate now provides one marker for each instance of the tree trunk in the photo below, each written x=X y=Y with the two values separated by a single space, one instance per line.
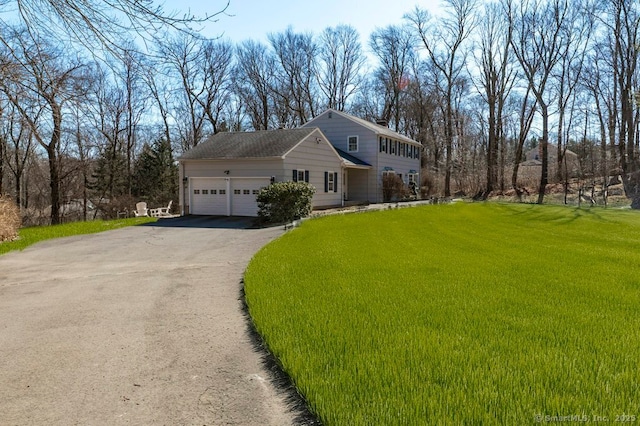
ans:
x=544 y=177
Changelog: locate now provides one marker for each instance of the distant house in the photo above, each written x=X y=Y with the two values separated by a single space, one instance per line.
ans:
x=343 y=156
x=530 y=170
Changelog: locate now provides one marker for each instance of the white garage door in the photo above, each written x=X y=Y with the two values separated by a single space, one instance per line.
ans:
x=224 y=196
x=243 y=195
x=209 y=196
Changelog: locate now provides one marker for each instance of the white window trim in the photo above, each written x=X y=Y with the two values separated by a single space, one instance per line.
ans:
x=331 y=182
x=357 y=143
x=300 y=171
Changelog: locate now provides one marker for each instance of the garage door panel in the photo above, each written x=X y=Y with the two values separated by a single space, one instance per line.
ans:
x=209 y=197
x=243 y=197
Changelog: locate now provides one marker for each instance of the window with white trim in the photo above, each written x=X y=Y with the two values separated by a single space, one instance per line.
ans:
x=331 y=182
x=196 y=192
x=300 y=175
x=352 y=144
x=413 y=178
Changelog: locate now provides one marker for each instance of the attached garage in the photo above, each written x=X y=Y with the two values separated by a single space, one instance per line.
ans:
x=223 y=175
x=225 y=196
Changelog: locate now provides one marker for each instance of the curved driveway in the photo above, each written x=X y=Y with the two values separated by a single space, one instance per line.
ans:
x=140 y=325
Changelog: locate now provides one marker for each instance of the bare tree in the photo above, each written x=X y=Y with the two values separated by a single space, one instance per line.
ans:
x=295 y=76
x=394 y=46
x=50 y=79
x=444 y=43
x=496 y=78
x=341 y=63
x=538 y=43
x=106 y=22
x=183 y=57
x=217 y=63
x=253 y=80
x=624 y=24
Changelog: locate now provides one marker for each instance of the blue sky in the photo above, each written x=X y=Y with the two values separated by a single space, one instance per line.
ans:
x=256 y=18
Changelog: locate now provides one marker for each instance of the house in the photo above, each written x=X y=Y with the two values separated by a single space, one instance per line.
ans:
x=530 y=170
x=387 y=152
x=343 y=157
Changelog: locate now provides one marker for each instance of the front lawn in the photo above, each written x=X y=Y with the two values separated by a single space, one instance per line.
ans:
x=456 y=314
x=32 y=235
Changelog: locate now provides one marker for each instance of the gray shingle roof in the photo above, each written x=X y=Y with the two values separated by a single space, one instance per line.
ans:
x=260 y=144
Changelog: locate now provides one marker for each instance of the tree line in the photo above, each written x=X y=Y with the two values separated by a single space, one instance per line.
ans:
x=477 y=85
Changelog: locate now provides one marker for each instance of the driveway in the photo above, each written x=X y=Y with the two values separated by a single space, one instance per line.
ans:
x=140 y=325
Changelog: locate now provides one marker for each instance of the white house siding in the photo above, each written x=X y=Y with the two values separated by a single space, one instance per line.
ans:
x=316 y=155
x=338 y=129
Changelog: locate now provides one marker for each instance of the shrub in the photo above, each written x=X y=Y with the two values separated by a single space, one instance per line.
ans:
x=283 y=202
x=393 y=189
x=9 y=219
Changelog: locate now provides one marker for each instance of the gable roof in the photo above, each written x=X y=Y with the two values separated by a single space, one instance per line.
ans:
x=258 y=144
x=374 y=127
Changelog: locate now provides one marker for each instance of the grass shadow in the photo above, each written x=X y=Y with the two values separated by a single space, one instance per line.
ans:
x=295 y=401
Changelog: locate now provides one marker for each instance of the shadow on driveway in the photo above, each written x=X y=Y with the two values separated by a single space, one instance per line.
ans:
x=209 y=222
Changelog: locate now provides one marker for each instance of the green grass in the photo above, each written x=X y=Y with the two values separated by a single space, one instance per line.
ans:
x=32 y=235
x=456 y=314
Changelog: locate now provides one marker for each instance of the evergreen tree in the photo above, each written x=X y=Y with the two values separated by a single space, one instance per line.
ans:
x=156 y=174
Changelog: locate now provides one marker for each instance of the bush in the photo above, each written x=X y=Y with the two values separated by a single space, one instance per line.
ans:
x=9 y=219
x=284 y=202
x=393 y=189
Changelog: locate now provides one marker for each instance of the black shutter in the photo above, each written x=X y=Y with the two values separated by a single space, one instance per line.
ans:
x=306 y=176
x=295 y=175
x=326 y=181
x=335 y=182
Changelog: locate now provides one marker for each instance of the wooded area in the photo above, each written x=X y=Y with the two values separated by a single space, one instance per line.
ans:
x=91 y=122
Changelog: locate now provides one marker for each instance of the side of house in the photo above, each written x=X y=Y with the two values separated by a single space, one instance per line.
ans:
x=374 y=145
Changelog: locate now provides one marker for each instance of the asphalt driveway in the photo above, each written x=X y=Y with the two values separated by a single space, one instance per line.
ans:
x=140 y=325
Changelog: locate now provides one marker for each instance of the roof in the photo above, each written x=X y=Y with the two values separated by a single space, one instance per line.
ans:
x=350 y=160
x=374 y=127
x=258 y=144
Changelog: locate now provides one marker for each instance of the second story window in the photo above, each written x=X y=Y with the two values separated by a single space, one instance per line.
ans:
x=352 y=144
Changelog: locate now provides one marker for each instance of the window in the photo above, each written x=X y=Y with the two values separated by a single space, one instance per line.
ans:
x=352 y=144
x=301 y=176
x=381 y=144
x=393 y=147
x=196 y=192
x=386 y=145
x=402 y=149
x=214 y=192
x=205 y=192
x=236 y=192
x=330 y=182
x=246 y=192
x=255 y=191
x=223 y=191
x=413 y=178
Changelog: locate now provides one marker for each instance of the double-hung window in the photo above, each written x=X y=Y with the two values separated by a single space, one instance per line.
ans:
x=352 y=144
x=330 y=182
x=300 y=175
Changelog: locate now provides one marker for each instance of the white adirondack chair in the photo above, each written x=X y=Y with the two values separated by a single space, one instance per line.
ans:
x=162 y=211
x=141 y=209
